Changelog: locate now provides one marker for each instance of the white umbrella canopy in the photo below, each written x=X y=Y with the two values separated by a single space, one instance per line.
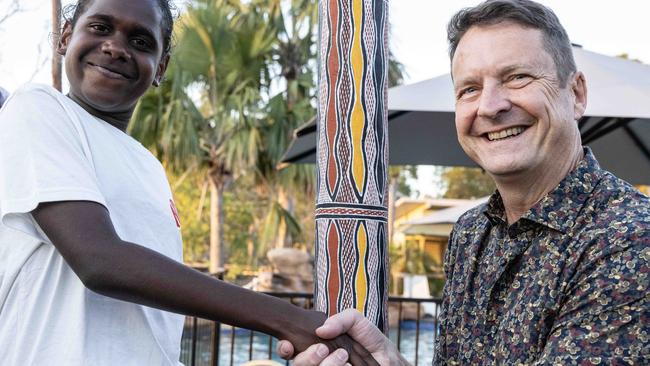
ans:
x=616 y=87
x=421 y=120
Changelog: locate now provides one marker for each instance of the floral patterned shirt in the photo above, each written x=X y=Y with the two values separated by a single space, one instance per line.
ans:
x=567 y=284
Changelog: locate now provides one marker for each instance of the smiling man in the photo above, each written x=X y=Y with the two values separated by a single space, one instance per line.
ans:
x=554 y=268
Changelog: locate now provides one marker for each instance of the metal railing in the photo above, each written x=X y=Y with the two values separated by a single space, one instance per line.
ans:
x=207 y=343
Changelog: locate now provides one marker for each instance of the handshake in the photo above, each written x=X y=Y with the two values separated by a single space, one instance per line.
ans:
x=371 y=347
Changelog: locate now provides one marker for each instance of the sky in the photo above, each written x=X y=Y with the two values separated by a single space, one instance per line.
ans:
x=418 y=38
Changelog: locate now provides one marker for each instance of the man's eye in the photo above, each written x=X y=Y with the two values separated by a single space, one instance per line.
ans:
x=518 y=80
x=464 y=93
x=520 y=77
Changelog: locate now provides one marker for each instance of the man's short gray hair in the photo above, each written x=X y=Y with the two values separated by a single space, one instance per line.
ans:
x=523 y=12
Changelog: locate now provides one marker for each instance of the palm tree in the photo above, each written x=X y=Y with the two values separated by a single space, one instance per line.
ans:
x=202 y=118
x=294 y=59
x=216 y=114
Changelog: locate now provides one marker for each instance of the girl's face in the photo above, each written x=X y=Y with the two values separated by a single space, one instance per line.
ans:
x=113 y=54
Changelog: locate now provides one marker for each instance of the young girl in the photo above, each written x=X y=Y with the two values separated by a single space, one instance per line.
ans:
x=90 y=250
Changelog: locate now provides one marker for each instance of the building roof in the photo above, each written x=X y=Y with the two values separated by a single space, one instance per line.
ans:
x=403 y=205
x=448 y=215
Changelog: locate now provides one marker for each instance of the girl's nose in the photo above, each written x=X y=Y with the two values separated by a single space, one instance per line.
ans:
x=116 y=49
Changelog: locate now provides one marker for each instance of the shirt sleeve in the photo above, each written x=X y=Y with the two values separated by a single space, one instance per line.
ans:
x=42 y=158
x=605 y=317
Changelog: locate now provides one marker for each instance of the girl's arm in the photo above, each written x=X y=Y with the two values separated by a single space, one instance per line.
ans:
x=83 y=233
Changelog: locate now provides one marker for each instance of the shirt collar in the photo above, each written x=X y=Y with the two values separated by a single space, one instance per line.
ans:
x=559 y=209
x=494 y=209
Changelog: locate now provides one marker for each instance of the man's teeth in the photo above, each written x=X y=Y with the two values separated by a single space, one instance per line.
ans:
x=505 y=133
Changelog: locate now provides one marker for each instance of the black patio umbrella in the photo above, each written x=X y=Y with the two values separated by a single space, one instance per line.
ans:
x=421 y=127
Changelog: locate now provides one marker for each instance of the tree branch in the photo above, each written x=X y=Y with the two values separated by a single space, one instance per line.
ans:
x=12 y=9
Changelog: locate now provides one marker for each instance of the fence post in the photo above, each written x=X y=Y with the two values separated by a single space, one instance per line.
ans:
x=216 y=334
x=194 y=339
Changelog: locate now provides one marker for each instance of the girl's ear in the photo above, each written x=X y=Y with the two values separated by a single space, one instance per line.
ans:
x=64 y=39
x=160 y=72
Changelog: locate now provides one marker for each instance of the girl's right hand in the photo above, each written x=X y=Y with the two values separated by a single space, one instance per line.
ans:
x=348 y=322
x=302 y=334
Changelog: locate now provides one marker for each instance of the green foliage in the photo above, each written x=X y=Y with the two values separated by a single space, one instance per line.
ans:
x=208 y=115
x=409 y=258
x=167 y=121
x=193 y=204
x=240 y=210
x=240 y=80
x=461 y=182
x=244 y=214
x=192 y=209
x=402 y=175
x=436 y=286
x=395 y=71
x=412 y=259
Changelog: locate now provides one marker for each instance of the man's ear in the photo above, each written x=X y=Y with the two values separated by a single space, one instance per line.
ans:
x=64 y=39
x=162 y=67
x=579 y=89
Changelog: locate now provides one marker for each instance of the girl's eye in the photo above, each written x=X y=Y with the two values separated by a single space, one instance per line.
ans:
x=141 y=43
x=99 y=28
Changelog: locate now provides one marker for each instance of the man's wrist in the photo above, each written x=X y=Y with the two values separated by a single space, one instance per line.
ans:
x=394 y=356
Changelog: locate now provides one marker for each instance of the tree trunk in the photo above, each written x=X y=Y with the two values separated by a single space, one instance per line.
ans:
x=56 y=58
x=283 y=239
x=217 y=247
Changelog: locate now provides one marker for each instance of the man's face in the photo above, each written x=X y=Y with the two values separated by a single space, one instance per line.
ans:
x=513 y=116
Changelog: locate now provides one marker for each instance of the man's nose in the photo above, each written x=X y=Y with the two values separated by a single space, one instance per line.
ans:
x=493 y=100
x=116 y=48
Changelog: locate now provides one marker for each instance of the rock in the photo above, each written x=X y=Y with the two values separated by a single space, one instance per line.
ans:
x=278 y=282
x=291 y=271
x=291 y=262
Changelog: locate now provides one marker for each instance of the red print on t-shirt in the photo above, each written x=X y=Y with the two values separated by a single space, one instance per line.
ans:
x=172 y=206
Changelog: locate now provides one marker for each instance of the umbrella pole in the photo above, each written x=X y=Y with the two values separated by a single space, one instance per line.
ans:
x=352 y=156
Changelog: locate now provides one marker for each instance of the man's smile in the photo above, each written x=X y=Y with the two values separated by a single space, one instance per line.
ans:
x=505 y=133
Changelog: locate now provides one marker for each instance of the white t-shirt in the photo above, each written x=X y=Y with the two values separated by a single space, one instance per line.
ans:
x=53 y=150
